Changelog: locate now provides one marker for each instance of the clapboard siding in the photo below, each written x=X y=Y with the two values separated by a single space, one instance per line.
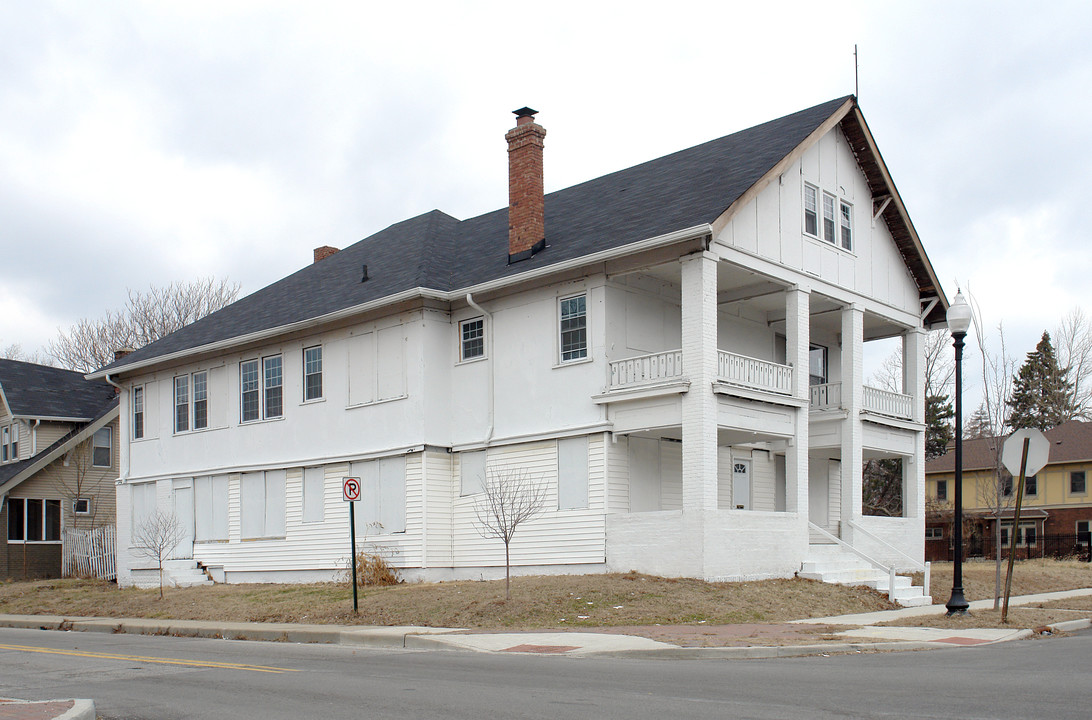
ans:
x=617 y=454
x=439 y=492
x=763 y=481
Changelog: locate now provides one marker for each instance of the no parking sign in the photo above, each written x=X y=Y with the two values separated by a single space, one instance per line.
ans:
x=350 y=493
x=350 y=489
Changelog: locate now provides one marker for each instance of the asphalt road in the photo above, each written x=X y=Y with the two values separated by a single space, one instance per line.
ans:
x=161 y=677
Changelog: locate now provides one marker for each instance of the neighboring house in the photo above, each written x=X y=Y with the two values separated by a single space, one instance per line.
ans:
x=1055 y=516
x=58 y=462
x=675 y=348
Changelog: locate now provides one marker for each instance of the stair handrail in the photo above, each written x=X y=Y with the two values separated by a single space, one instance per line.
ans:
x=890 y=570
x=925 y=567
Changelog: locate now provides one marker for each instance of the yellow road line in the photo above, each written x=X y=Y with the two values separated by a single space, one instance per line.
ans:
x=141 y=658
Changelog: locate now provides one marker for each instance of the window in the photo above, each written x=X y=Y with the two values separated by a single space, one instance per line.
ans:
x=934 y=533
x=382 y=506
x=1006 y=485
x=942 y=489
x=261 y=398
x=471 y=472
x=312 y=373
x=262 y=499
x=811 y=210
x=1026 y=535
x=1031 y=485
x=314 y=485
x=81 y=506
x=182 y=403
x=572 y=473
x=101 y=444
x=141 y=503
x=1082 y=531
x=138 y=412
x=828 y=219
x=1076 y=483
x=847 y=225
x=34 y=520
x=210 y=508
x=472 y=339
x=9 y=443
x=200 y=400
x=817 y=365
x=574 y=328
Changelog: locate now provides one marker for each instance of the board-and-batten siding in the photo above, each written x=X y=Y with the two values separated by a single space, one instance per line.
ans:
x=555 y=536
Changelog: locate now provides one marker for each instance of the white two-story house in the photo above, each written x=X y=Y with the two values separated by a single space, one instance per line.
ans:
x=675 y=348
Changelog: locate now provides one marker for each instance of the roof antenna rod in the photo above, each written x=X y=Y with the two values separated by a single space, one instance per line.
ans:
x=856 y=85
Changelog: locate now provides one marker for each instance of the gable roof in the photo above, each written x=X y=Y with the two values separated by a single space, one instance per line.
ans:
x=49 y=393
x=1070 y=442
x=12 y=474
x=686 y=190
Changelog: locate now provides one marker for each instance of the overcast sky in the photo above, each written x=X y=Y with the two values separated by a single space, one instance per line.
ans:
x=143 y=143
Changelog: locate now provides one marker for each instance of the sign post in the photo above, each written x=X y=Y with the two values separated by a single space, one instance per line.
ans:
x=350 y=493
x=1025 y=452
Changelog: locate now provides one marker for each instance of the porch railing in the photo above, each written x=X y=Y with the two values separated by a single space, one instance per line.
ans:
x=754 y=373
x=826 y=396
x=885 y=402
x=644 y=369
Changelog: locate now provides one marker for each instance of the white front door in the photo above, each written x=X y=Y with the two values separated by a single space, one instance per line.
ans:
x=183 y=512
x=741 y=484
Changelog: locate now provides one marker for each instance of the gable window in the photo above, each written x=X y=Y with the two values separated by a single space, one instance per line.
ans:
x=828 y=219
x=574 y=328
x=138 y=412
x=100 y=448
x=1077 y=483
x=942 y=489
x=846 y=225
x=472 y=339
x=261 y=395
x=191 y=402
x=34 y=520
x=312 y=373
x=811 y=210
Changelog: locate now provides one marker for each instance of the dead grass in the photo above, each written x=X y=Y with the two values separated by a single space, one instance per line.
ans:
x=1028 y=577
x=568 y=601
x=1019 y=618
x=1077 y=603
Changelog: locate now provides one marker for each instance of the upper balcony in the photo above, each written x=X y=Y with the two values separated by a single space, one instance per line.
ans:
x=828 y=396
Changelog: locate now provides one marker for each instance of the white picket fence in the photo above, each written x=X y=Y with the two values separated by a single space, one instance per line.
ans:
x=90 y=553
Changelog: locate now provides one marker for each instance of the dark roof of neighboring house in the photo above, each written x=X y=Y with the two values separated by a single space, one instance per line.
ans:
x=40 y=391
x=7 y=472
x=1069 y=442
x=683 y=190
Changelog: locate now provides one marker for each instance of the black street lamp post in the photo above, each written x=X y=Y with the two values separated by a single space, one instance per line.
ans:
x=959 y=320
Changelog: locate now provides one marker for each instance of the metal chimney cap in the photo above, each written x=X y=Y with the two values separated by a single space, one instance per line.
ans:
x=525 y=112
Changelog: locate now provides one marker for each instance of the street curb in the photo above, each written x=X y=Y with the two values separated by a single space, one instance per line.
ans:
x=81 y=709
x=1071 y=625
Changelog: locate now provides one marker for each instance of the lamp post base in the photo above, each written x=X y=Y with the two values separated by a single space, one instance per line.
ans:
x=957 y=604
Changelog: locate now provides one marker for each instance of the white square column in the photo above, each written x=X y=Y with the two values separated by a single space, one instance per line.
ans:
x=853 y=402
x=913 y=384
x=699 y=360
x=797 y=349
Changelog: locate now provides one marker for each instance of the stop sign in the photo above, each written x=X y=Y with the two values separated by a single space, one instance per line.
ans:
x=1013 y=450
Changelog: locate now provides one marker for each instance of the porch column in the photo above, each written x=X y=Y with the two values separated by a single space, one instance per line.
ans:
x=913 y=384
x=852 y=401
x=797 y=345
x=699 y=359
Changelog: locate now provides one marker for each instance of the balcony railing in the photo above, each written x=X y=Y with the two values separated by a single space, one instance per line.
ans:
x=645 y=369
x=885 y=402
x=753 y=373
x=826 y=396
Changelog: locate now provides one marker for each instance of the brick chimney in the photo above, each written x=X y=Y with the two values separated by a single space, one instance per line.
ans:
x=321 y=253
x=526 y=230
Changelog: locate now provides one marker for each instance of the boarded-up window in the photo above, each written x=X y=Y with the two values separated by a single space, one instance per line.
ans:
x=262 y=499
x=471 y=472
x=314 y=484
x=210 y=499
x=572 y=473
x=382 y=506
x=362 y=369
x=377 y=366
x=390 y=363
x=142 y=503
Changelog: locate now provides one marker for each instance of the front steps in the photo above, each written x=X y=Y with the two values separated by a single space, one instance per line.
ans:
x=176 y=573
x=832 y=564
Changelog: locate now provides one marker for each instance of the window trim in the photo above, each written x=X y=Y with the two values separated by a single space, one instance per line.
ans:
x=845 y=225
x=260 y=388
x=934 y=533
x=1084 y=482
x=137 y=400
x=830 y=235
x=941 y=496
x=76 y=503
x=586 y=356
x=46 y=504
x=462 y=338
x=109 y=446
x=814 y=212
x=191 y=401
x=181 y=400
x=306 y=375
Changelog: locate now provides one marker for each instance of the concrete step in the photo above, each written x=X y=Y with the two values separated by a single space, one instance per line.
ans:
x=833 y=564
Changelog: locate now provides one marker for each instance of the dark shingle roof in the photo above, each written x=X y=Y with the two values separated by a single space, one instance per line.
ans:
x=48 y=392
x=678 y=191
x=1069 y=442
x=7 y=472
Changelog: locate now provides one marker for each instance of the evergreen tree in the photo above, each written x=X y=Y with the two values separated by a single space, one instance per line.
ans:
x=938 y=425
x=1042 y=395
x=978 y=425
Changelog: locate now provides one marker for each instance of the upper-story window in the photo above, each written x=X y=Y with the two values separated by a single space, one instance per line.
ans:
x=847 y=225
x=811 y=210
x=828 y=219
x=1077 y=483
x=101 y=448
x=573 y=312
x=261 y=388
x=1031 y=485
x=312 y=373
x=138 y=412
x=942 y=490
x=472 y=339
x=9 y=443
x=191 y=402
x=836 y=216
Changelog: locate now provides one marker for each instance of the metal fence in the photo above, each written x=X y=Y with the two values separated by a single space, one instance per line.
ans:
x=89 y=553
x=1072 y=545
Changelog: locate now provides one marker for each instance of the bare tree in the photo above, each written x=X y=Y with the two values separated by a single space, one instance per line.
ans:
x=146 y=317
x=511 y=497
x=156 y=538
x=84 y=483
x=1073 y=345
x=939 y=366
x=14 y=351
